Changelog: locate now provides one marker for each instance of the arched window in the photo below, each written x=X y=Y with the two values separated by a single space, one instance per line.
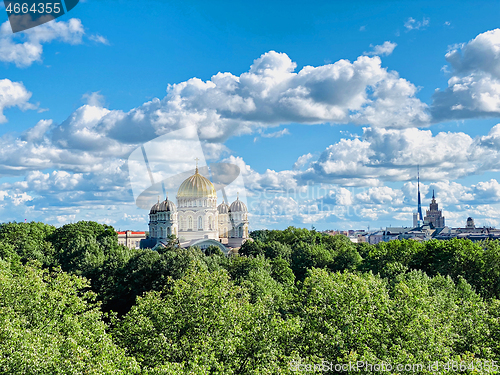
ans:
x=168 y=231
x=152 y=232
x=200 y=223
x=161 y=232
x=190 y=223
x=240 y=232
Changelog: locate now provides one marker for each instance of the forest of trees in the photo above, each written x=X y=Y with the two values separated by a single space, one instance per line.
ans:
x=74 y=301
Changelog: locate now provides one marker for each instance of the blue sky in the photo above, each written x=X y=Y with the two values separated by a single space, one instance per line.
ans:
x=337 y=100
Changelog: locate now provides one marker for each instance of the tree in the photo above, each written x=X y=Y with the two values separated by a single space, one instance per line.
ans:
x=251 y=248
x=203 y=324
x=213 y=250
x=29 y=241
x=54 y=324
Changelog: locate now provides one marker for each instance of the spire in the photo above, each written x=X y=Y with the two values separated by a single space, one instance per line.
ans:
x=420 y=216
x=166 y=196
x=238 y=196
x=433 y=197
x=196 y=172
x=158 y=199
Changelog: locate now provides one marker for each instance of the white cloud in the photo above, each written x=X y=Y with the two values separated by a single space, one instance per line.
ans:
x=26 y=47
x=382 y=50
x=94 y=99
x=272 y=93
x=302 y=161
x=81 y=161
x=412 y=24
x=99 y=39
x=13 y=94
x=393 y=154
x=474 y=89
x=277 y=134
x=381 y=195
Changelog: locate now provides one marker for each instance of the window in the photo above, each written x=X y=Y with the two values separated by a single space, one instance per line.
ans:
x=161 y=232
x=200 y=223
x=190 y=223
x=168 y=231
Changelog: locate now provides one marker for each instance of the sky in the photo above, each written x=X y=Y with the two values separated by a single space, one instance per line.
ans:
x=327 y=108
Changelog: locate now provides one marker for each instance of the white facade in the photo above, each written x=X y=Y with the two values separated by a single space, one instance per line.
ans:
x=198 y=217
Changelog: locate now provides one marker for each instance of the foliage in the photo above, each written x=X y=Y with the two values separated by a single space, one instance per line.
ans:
x=28 y=241
x=205 y=324
x=50 y=324
x=292 y=295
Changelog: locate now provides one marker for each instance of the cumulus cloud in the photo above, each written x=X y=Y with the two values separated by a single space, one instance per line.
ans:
x=474 y=88
x=270 y=93
x=81 y=161
x=384 y=49
x=26 y=47
x=13 y=94
x=381 y=195
x=393 y=155
x=273 y=93
x=302 y=161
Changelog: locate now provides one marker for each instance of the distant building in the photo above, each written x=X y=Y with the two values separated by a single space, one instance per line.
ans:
x=434 y=215
x=197 y=220
x=470 y=223
x=131 y=239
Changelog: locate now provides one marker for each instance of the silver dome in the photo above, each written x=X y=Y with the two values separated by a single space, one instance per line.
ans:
x=223 y=208
x=167 y=206
x=238 y=206
x=154 y=209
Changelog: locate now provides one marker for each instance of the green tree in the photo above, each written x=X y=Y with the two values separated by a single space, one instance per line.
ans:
x=29 y=241
x=51 y=324
x=203 y=324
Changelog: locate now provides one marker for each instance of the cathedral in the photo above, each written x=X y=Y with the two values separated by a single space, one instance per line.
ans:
x=197 y=220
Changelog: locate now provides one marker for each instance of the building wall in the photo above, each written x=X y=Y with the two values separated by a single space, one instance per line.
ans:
x=131 y=239
x=198 y=218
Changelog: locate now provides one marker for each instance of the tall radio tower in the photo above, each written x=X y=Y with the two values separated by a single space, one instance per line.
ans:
x=420 y=216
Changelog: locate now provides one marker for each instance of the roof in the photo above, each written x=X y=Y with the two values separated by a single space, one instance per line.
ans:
x=196 y=186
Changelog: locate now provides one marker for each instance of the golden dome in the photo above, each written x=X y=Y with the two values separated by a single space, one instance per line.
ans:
x=196 y=186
